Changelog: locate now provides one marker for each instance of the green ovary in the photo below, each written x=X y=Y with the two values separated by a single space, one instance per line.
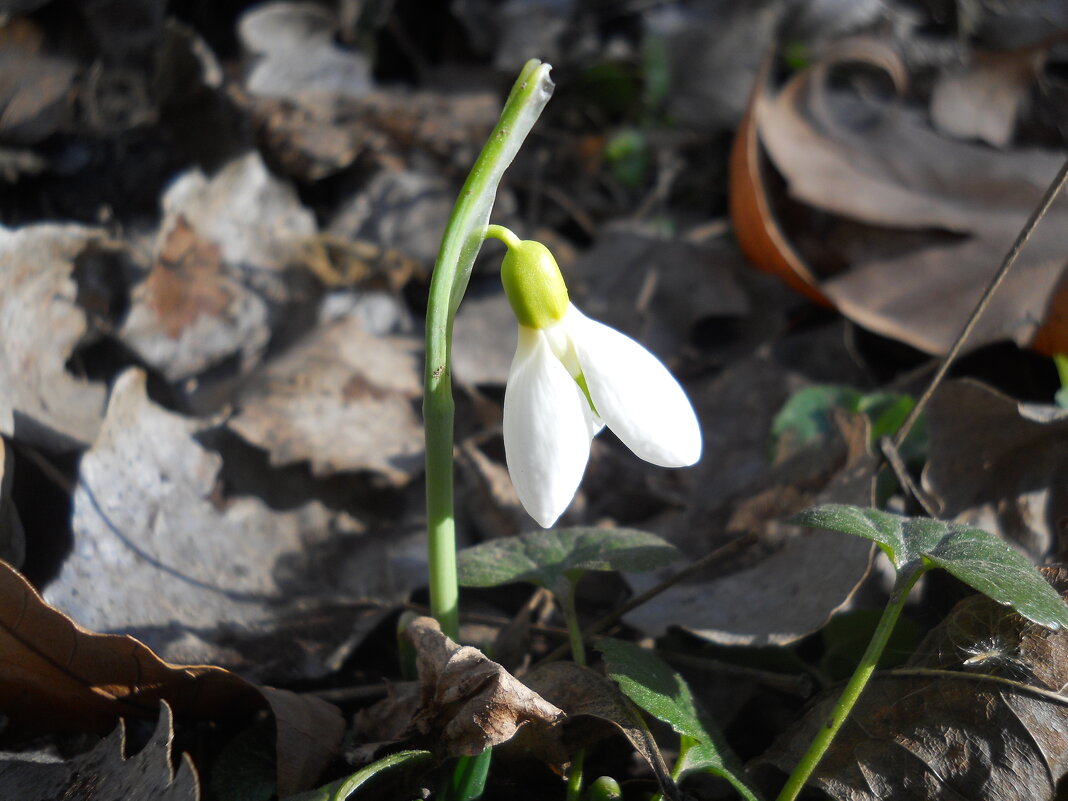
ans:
x=534 y=285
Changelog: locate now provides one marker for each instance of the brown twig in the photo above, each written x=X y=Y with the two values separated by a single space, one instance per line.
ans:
x=1010 y=259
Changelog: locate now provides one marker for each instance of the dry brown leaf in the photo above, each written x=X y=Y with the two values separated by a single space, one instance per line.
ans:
x=590 y=701
x=788 y=586
x=42 y=324
x=60 y=676
x=236 y=584
x=105 y=773
x=656 y=289
x=886 y=167
x=999 y=465
x=948 y=737
x=342 y=400
x=191 y=312
x=467 y=701
x=36 y=88
x=981 y=99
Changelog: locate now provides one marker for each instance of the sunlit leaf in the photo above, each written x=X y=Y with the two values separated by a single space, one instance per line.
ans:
x=976 y=557
x=652 y=684
x=549 y=558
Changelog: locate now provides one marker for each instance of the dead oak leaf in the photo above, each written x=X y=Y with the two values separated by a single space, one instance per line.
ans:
x=105 y=773
x=341 y=399
x=471 y=702
x=41 y=325
x=59 y=676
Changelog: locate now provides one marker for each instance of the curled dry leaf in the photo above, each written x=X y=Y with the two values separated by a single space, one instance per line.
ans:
x=469 y=702
x=341 y=399
x=41 y=325
x=953 y=735
x=999 y=465
x=60 y=676
x=105 y=774
x=237 y=584
x=884 y=166
x=594 y=707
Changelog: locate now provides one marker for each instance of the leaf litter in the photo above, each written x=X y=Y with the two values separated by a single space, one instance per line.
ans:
x=256 y=243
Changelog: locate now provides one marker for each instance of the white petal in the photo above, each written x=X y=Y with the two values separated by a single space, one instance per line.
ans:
x=635 y=394
x=547 y=431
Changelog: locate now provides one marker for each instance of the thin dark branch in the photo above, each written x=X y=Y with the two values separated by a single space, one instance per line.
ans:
x=1010 y=259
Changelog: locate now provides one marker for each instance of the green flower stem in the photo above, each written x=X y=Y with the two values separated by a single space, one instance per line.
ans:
x=574 y=630
x=460 y=244
x=502 y=234
x=578 y=654
x=822 y=741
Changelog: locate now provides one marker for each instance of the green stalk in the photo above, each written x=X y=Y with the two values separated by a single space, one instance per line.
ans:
x=578 y=654
x=822 y=741
x=460 y=244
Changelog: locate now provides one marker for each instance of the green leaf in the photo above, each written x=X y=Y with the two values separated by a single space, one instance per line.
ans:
x=343 y=789
x=808 y=415
x=976 y=557
x=550 y=558
x=651 y=684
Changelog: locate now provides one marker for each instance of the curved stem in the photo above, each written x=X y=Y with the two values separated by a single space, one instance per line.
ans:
x=460 y=244
x=822 y=741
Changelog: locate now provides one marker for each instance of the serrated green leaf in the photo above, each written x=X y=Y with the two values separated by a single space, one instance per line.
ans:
x=652 y=684
x=976 y=557
x=549 y=558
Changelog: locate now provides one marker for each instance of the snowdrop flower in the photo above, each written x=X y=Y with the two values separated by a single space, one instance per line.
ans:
x=569 y=378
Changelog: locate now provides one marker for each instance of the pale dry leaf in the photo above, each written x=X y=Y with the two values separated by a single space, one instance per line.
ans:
x=883 y=165
x=296 y=55
x=156 y=555
x=468 y=701
x=999 y=465
x=982 y=98
x=41 y=325
x=192 y=311
x=255 y=219
x=105 y=773
x=341 y=399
